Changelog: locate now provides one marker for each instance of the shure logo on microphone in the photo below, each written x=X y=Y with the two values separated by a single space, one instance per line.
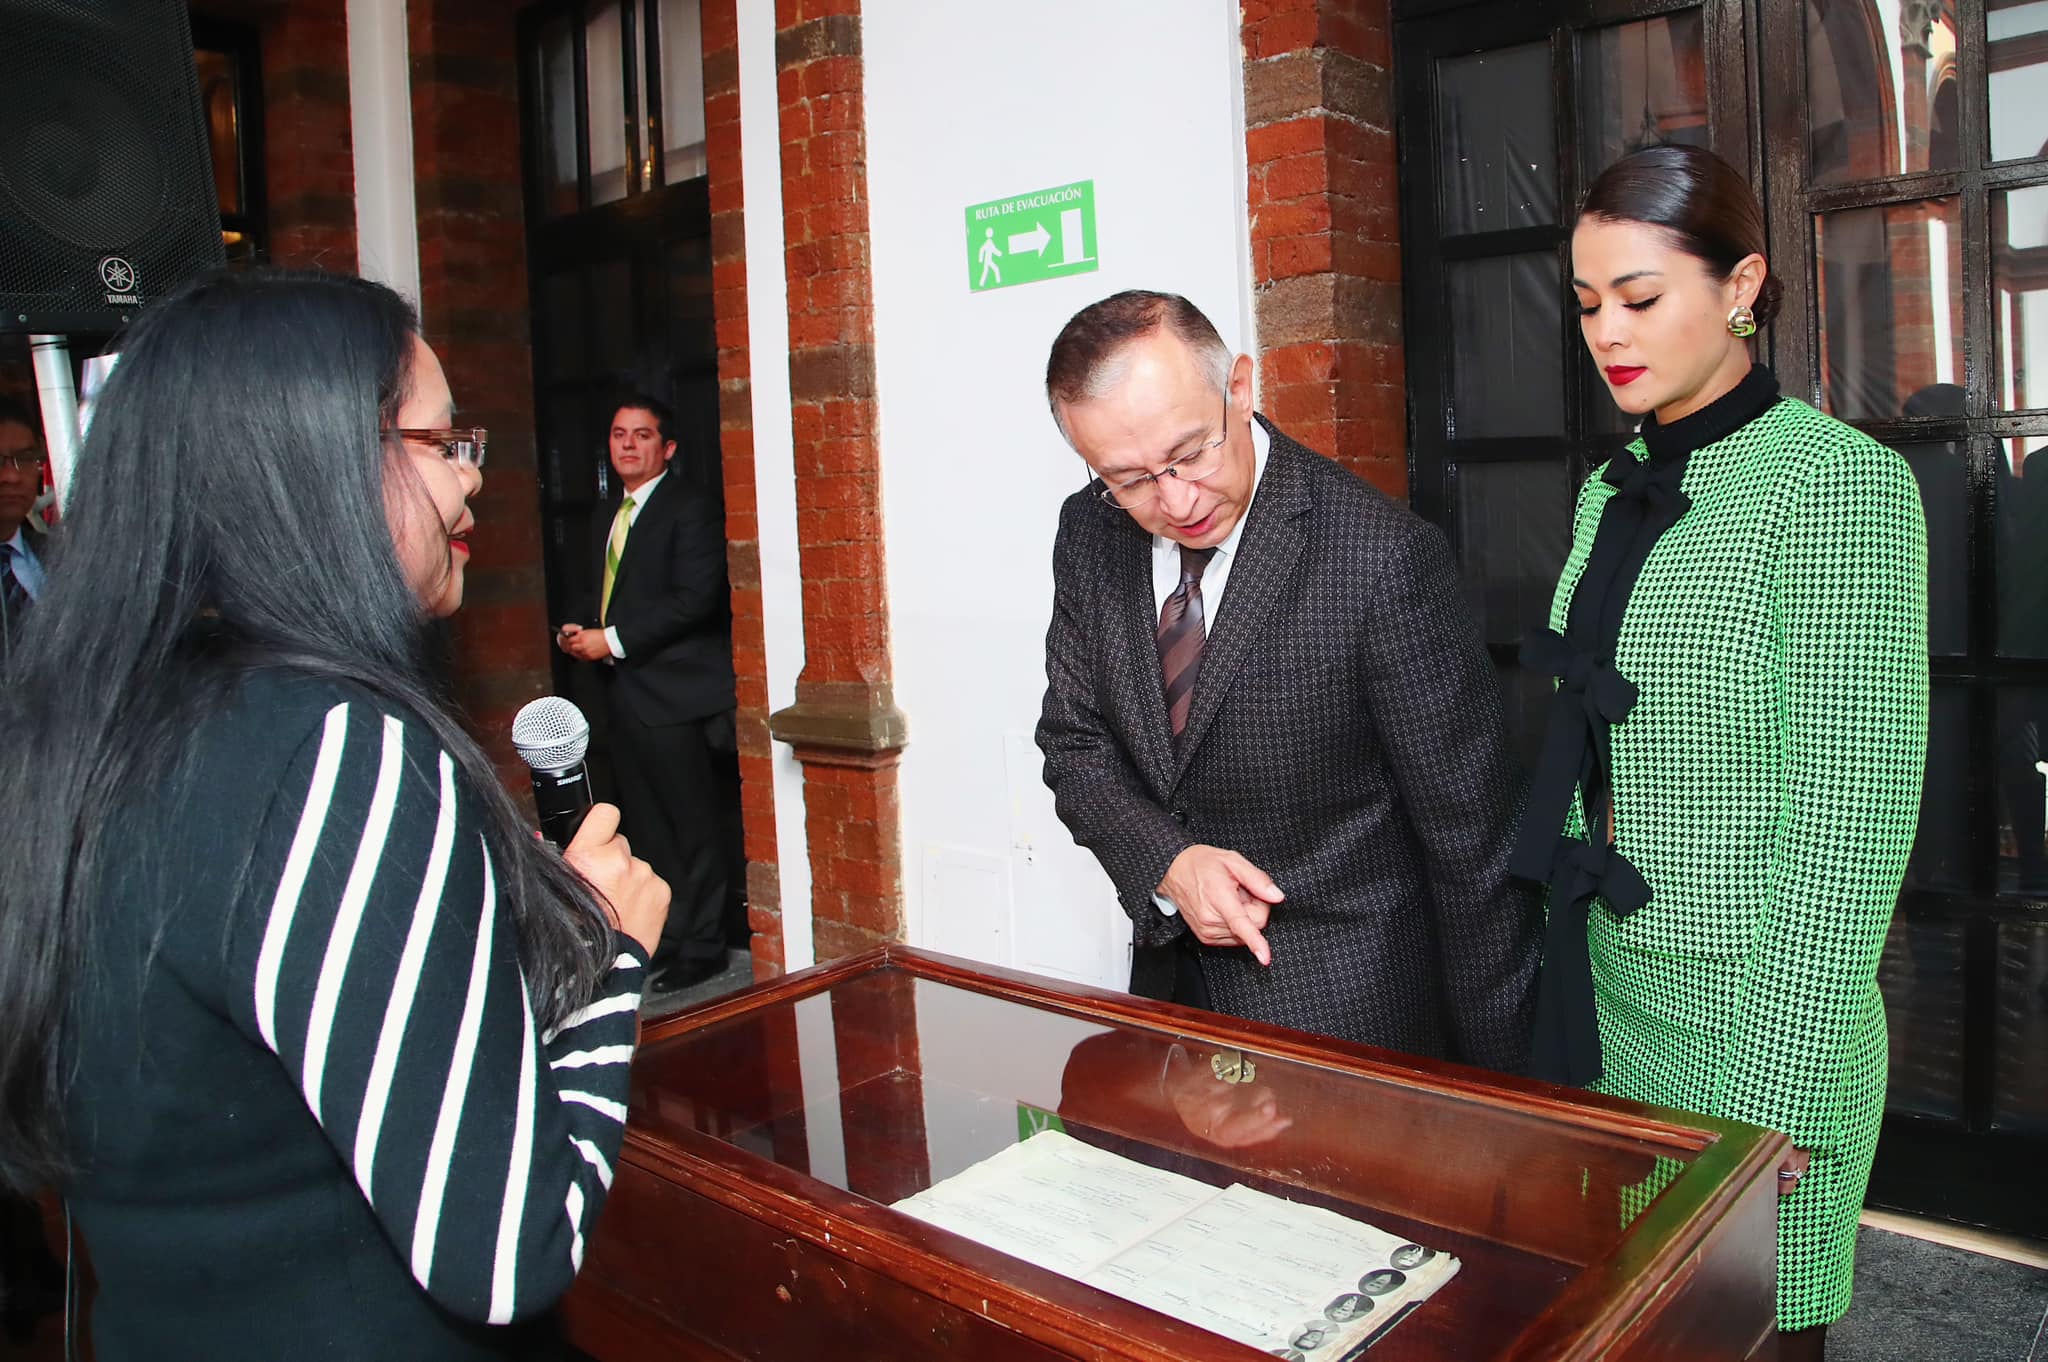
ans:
x=120 y=278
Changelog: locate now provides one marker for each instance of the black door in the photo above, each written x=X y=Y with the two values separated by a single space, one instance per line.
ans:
x=1908 y=177
x=1507 y=111
x=619 y=264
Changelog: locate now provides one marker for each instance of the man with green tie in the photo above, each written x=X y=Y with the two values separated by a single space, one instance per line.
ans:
x=21 y=482
x=662 y=633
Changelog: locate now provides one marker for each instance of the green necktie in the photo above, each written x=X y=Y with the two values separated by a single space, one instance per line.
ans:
x=622 y=523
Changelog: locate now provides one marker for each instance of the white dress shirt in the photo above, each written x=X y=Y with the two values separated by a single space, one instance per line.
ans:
x=28 y=568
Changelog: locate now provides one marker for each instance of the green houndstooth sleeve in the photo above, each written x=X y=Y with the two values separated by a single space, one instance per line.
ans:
x=1852 y=618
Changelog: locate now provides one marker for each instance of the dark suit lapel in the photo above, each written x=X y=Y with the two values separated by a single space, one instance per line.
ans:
x=1266 y=554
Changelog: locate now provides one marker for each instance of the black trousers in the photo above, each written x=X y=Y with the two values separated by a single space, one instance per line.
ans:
x=1171 y=973
x=678 y=788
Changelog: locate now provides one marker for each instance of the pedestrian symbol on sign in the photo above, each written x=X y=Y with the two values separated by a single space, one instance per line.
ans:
x=989 y=252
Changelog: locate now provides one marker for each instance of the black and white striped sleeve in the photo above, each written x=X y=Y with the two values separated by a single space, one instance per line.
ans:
x=373 y=957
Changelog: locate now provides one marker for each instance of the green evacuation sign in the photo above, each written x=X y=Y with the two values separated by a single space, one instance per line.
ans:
x=1031 y=1120
x=1029 y=237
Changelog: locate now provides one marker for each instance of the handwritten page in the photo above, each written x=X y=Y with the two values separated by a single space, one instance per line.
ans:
x=1298 y=1281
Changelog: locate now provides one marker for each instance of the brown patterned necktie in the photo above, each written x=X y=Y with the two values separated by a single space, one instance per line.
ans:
x=1181 y=636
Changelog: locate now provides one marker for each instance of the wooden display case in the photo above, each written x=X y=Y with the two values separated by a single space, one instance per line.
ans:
x=772 y=1129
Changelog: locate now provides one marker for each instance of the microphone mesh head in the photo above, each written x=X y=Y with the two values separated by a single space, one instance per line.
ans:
x=550 y=734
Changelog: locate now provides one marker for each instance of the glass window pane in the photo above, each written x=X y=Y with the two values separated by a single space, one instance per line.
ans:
x=558 y=330
x=1525 y=703
x=1943 y=473
x=2019 y=1094
x=604 y=85
x=1500 y=164
x=571 y=448
x=2016 y=55
x=220 y=101
x=1507 y=377
x=2022 y=539
x=692 y=322
x=2019 y=293
x=1941 y=846
x=557 y=116
x=614 y=329
x=1513 y=529
x=1921 y=976
x=2018 y=751
x=682 y=89
x=1880 y=88
x=1642 y=84
x=1891 y=310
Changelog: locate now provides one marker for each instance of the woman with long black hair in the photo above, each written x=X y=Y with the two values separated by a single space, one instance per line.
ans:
x=327 y=1054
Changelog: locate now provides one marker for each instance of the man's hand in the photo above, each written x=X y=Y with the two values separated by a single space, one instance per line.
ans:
x=1223 y=898
x=588 y=644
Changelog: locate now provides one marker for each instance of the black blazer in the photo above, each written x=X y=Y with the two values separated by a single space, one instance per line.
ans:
x=1345 y=736
x=671 y=607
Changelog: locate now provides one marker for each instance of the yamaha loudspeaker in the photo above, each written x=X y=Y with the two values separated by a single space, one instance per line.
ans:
x=106 y=186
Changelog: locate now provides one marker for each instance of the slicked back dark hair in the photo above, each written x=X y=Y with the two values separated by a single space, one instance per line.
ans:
x=1087 y=356
x=227 y=515
x=1700 y=201
x=14 y=413
x=664 y=415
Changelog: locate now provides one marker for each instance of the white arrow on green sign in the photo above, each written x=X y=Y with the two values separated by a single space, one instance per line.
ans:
x=1028 y=237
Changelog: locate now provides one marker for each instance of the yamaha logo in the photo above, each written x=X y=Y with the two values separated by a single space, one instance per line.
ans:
x=119 y=277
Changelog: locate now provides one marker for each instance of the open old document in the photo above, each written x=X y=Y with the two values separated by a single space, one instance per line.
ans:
x=1296 y=1281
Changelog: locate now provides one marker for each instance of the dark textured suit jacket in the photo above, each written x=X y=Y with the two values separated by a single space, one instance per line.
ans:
x=1345 y=736
x=671 y=607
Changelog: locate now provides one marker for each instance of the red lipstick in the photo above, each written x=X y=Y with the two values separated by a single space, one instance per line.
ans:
x=1621 y=375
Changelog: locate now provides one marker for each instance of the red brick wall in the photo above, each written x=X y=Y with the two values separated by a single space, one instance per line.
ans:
x=1325 y=228
x=736 y=443
x=309 y=151
x=473 y=303
x=844 y=727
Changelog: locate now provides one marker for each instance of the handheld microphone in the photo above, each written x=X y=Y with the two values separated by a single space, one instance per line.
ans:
x=551 y=735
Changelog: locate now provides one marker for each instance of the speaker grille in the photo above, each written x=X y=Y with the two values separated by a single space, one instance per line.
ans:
x=106 y=187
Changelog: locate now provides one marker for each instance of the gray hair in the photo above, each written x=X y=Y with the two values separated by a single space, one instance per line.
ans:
x=1091 y=357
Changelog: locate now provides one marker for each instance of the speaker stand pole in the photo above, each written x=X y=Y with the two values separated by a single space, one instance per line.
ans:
x=52 y=356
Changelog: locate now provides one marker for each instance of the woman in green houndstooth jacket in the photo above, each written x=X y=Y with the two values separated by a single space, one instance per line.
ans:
x=1730 y=781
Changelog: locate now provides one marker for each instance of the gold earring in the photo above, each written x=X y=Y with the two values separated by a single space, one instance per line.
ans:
x=1741 y=322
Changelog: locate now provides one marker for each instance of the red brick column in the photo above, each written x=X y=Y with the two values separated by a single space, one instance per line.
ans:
x=1325 y=229
x=844 y=727
x=720 y=26
x=308 y=149
x=473 y=304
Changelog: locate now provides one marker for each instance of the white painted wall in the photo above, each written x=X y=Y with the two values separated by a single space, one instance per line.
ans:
x=774 y=453
x=967 y=103
x=380 y=128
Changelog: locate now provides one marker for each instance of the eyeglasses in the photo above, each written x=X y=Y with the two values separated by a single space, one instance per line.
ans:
x=24 y=461
x=1193 y=467
x=465 y=447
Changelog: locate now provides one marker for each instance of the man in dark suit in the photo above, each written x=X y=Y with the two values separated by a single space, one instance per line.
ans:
x=662 y=631
x=21 y=482
x=1306 y=810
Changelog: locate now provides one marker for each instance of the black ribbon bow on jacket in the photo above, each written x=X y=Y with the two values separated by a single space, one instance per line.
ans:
x=1591 y=697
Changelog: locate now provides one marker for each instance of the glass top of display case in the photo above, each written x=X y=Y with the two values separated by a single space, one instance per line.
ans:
x=862 y=1084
